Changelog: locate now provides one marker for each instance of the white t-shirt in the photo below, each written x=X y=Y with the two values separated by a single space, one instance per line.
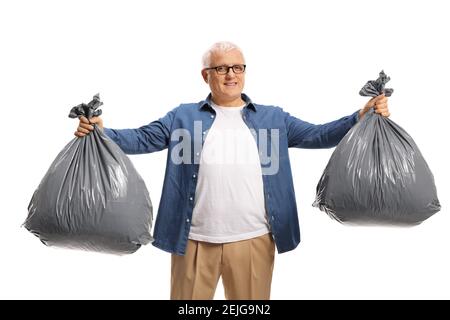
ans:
x=229 y=198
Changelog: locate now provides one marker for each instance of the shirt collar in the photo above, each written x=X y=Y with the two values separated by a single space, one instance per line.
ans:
x=248 y=102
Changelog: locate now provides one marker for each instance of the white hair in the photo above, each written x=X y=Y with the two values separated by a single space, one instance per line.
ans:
x=222 y=46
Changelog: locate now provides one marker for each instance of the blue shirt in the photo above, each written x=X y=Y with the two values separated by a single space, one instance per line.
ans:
x=183 y=131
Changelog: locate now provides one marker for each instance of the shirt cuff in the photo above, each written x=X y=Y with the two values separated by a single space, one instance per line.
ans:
x=356 y=116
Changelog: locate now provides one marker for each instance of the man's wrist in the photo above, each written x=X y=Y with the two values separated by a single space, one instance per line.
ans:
x=360 y=114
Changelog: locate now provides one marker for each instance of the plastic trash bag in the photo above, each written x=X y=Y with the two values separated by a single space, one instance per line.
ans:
x=92 y=197
x=377 y=175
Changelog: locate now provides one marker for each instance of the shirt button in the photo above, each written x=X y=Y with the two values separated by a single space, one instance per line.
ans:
x=212 y=116
x=193 y=176
x=204 y=132
x=197 y=154
x=187 y=220
x=190 y=198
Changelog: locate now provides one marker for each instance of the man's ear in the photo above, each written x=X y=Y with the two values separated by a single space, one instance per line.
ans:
x=205 y=75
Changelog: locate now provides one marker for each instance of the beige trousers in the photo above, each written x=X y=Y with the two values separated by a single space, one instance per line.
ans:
x=245 y=266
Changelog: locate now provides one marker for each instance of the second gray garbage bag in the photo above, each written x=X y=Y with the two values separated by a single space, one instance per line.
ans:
x=377 y=175
x=92 y=197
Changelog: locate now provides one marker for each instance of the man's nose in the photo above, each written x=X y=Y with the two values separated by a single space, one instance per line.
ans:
x=230 y=73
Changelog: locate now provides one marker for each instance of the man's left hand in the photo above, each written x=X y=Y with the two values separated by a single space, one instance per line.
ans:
x=379 y=103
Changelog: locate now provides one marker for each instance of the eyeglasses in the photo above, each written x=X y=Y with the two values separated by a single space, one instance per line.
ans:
x=237 y=68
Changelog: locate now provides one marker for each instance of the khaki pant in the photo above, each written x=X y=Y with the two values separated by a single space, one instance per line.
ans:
x=245 y=266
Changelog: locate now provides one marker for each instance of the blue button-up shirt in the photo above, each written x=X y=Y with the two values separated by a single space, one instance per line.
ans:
x=183 y=131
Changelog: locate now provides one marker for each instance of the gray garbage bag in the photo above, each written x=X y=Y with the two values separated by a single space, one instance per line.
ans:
x=92 y=197
x=377 y=175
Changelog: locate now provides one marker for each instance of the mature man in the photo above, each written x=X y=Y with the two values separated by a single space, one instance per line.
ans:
x=226 y=204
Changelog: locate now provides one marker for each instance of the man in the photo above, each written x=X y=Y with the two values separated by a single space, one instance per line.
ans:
x=226 y=202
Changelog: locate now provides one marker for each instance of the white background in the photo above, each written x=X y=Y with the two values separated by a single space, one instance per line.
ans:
x=309 y=57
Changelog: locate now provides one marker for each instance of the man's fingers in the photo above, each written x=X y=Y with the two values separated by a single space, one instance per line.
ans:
x=92 y=120
x=95 y=120
x=79 y=134
x=384 y=112
x=382 y=105
x=378 y=98
x=84 y=119
x=383 y=99
x=86 y=126
x=381 y=108
x=83 y=130
x=381 y=102
x=372 y=102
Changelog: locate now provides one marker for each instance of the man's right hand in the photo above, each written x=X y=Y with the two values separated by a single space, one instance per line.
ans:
x=85 y=126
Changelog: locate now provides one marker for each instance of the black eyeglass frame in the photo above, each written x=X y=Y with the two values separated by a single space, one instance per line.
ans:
x=228 y=68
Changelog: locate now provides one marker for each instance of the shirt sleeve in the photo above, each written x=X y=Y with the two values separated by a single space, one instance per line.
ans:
x=152 y=137
x=302 y=134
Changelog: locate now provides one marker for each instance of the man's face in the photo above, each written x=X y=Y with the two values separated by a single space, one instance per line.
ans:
x=225 y=87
